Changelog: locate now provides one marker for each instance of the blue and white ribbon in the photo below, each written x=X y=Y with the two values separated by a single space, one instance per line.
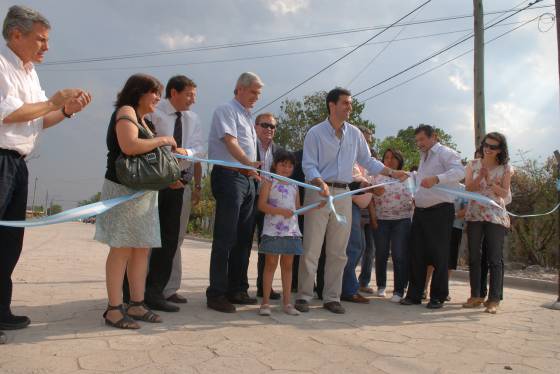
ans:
x=102 y=206
x=485 y=200
x=75 y=213
x=241 y=166
x=331 y=199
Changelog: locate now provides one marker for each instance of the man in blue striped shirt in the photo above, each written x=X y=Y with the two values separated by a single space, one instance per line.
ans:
x=329 y=152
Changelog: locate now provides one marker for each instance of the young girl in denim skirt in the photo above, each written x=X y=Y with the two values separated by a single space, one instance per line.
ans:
x=281 y=238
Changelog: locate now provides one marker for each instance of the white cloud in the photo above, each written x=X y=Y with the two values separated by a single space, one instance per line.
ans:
x=511 y=118
x=459 y=83
x=283 y=7
x=180 y=40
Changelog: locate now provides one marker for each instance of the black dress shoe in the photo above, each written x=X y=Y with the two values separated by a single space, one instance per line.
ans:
x=161 y=304
x=220 y=304
x=273 y=294
x=242 y=298
x=334 y=307
x=10 y=322
x=435 y=304
x=177 y=299
x=302 y=305
x=409 y=301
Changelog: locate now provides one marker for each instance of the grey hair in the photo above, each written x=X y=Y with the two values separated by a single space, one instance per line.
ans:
x=247 y=79
x=22 y=18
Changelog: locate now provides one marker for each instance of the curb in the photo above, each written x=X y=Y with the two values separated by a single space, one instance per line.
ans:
x=529 y=284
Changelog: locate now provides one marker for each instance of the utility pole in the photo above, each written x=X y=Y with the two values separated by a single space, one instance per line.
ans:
x=556 y=305
x=557 y=155
x=33 y=203
x=479 y=110
x=46 y=203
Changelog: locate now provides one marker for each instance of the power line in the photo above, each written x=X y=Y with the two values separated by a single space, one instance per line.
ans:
x=262 y=41
x=234 y=59
x=343 y=56
x=442 y=51
x=447 y=62
x=376 y=56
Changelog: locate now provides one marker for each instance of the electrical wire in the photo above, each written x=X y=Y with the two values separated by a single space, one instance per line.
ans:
x=447 y=62
x=342 y=57
x=424 y=60
x=262 y=41
x=235 y=59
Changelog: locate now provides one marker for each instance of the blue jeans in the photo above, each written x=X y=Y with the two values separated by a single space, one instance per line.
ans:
x=393 y=236
x=354 y=250
x=233 y=232
x=367 y=257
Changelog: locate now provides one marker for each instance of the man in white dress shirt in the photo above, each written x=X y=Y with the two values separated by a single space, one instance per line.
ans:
x=433 y=217
x=173 y=118
x=25 y=111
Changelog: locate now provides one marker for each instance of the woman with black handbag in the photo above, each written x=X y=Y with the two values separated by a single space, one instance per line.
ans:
x=131 y=228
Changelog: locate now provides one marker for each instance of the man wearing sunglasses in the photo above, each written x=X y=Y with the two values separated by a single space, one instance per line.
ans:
x=265 y=127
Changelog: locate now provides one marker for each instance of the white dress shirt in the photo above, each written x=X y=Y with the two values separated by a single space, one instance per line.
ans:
x=444 y=163
x=265 y=155
x=19 y=84
x=164 y=121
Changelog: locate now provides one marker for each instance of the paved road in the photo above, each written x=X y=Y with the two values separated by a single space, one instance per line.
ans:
x=60 y=283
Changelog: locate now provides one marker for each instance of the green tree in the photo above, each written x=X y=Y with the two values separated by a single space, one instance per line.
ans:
x=93 y=199
x=297 y=117
x=54 y=209
x=404 y=141
x=534 y=240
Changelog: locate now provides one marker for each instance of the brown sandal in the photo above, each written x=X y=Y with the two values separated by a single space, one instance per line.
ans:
x=124 y=323
x=149 y=316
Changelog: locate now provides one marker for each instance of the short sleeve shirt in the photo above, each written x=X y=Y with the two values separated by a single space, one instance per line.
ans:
x=234 y=120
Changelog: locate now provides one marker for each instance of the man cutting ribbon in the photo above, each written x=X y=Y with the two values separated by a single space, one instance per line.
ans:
x=330 y=150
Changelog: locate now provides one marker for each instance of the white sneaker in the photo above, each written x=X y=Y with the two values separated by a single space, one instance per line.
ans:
x=381 y=292
x=290 y=310
x=396 y=298
x=264 y=310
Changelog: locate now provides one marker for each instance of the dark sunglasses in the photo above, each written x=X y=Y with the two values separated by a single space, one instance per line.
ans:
x=493 y=147
x=267 y=125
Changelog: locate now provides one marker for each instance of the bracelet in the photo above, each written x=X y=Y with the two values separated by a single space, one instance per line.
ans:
x=66 y=114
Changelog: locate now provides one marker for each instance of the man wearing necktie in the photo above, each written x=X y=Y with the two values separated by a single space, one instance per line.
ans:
x=171 y=118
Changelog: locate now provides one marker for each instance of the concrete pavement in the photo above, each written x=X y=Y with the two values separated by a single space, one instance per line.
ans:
x=59 y=283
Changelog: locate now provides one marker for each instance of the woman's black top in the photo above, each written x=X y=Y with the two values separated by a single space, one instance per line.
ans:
x=114 y=148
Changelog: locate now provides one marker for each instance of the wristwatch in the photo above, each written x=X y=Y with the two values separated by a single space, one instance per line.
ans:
x=66 y=114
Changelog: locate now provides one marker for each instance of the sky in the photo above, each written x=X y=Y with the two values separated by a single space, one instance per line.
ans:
x=521 y=68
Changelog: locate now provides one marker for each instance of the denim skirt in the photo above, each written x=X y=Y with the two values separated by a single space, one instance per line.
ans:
x=281 y=245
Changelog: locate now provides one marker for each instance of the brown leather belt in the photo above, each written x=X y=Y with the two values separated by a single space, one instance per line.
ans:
x=337 y=184
x=245 y=172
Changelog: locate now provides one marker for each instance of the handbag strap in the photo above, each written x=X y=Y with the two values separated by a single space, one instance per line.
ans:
x=140 y=127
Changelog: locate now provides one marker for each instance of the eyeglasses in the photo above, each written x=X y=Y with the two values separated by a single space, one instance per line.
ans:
x=493 y=147
x=267 y=125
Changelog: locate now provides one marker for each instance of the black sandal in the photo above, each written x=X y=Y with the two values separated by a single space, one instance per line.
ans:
x=124 y=323
x=149 y=316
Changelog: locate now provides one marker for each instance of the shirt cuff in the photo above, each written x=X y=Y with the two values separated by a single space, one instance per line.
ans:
x=9 y=105
x=312 y=174
x=442 y=178
x=375 y=167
